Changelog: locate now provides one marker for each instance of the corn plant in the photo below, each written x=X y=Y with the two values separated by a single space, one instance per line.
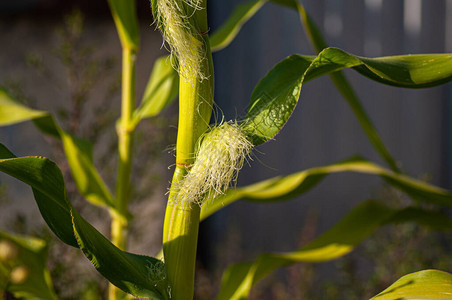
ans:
x=209 y=158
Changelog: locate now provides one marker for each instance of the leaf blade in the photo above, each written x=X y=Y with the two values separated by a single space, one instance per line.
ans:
x=274 y=98
x=141 y=276
x=78 y=151
x=276 y=95
x=282 y=188
x=126 y=22
x=426 y=284
x=339 y=240
x=20 y=112
x=224 y=35
x=26 y=256
x=161 y=90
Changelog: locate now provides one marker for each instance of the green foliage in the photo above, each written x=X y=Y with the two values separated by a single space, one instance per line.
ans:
x=337 y=241
x=13 y=112
x=272 y=103
x=22 y=267
x=161 y=90
x=428 y=284
x=224 y=35
x=139 y=275
x=341 y=82
x=274 y=98
x=125 y=18
x=48 y=188
x=79 y=152
x=287 y=187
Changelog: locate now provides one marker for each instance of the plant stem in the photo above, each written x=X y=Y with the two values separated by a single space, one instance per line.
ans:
x=180 y=231
x=180 y=237
x=119 y=225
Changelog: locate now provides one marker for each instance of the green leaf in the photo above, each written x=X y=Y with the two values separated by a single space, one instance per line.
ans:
x=230 y=29
x=24 y=258
x=227 y=32
x=139 y=275
x=289 y=3
x=124 y=15
x=48 y=187
x=274 y=98
x=12 y=112
x=410 y=71
x=432 y=219
x=161 y=90
x=283 y=188
x=427 y=284
x=311 y=29
x=224 y=35
x=336 y=242
x=79 y=152
x=345 y=88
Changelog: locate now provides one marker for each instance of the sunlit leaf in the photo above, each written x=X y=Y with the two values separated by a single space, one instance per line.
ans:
x=289 y=3
x=276 y=95
x=283 y=188
x=415 y=78
x=274 y=99
x=233 y=25
x=24 y=259
x=12 y=112
x=161 y=90
x=223 y=36
x=79 y=152
x=344 y=86
x=409 y=71
x=48 y=187
x=427 y=284
x=238 y=279
x=139 y=275
x=79 y=155
x=124 y=15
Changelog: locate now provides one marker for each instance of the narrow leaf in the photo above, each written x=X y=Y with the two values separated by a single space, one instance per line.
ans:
x=47 y=183
x=124 y=15
x=427 y=284
x=411 y=71
x=24 y=259
x=78 y=152
x=274 y=98
x=289 y=3
x=336 y=242
x=139 y=275
x=230 y=29
x=345 y=88
x=342 y=84
x=79 y=155
x=12 y=112
x=224 y=35
x=161 y=90
x=283 y=188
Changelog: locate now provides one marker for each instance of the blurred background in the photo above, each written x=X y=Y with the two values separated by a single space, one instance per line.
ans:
x=64 y=57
